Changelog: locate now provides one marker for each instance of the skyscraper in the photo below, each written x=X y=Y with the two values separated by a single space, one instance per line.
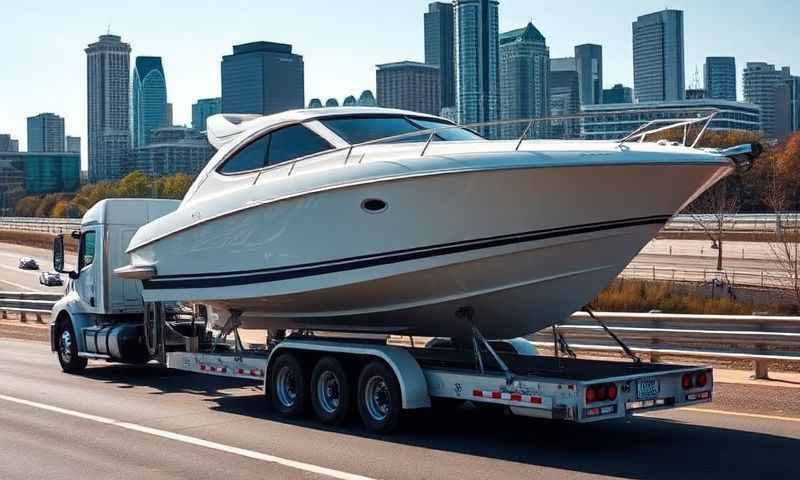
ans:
x=719 y=78
x=73 y=144
x=8 y=144
x=761 y=83
x=439 y=48
x=658 y=63
x=618 y=94
x=564 y=85
x=476 y=60
x=408 y=86
x=524 y=78
x=149 y=99
x=589 y=63
x=108 y=92
x=262 y=77
x=202 y=109
x=46 y=133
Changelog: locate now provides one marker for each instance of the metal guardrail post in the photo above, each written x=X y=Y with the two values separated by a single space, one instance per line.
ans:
x=762 y=370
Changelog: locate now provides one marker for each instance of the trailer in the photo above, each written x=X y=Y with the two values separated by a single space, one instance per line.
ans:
x=103 y=317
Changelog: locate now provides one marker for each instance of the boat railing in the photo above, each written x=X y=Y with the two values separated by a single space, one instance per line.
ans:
x=529 y=125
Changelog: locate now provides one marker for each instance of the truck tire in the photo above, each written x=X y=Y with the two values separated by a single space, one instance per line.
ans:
x=379 y=401
x=331 y=391
x=67 y=349
x=288 y=387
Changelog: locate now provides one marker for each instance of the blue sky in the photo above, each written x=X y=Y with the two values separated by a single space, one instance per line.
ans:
x=44 y=66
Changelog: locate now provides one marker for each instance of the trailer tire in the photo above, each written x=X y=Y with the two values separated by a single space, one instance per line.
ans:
x=331 y=391
x=288 y=387
x=67 y=349
x=379 y=401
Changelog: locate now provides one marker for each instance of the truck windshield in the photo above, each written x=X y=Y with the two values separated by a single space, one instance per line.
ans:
x=360 y=129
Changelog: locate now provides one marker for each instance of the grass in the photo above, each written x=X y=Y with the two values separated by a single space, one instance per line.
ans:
x=640 y=296
x=36 y=239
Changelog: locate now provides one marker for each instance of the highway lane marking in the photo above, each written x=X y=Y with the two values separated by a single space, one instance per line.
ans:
x=17 y=285
x=741 y=414
x=306 y=467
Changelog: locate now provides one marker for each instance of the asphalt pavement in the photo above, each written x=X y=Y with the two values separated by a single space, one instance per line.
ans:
x=146 y=422
x=12 y=278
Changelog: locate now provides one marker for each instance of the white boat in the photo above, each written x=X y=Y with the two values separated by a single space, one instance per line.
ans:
x=310 y=219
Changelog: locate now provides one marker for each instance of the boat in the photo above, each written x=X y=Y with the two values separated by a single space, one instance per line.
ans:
x=386 y=221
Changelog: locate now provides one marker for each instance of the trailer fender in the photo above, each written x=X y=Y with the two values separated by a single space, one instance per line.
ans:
x=413 y=386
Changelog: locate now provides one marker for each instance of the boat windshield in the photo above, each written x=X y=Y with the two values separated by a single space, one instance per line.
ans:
x=366 y=128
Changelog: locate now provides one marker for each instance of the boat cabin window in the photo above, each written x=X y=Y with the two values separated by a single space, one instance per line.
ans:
x=294 y=142
x=360 y=129
x=279 y=146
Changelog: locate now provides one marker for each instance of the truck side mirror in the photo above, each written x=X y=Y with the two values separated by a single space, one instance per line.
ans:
x=58 y=253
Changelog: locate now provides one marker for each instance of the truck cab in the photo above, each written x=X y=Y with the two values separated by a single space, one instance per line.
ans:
x=101 y=308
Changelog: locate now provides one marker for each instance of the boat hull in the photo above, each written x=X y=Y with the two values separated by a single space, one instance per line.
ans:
x=523 y=247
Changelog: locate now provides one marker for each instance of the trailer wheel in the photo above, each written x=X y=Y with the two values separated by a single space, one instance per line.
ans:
x=330 y=391
x=379 y=401
x=68 y=349
x=288 y=387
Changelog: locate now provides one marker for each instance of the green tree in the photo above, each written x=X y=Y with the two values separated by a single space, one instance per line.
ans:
x=134 y=185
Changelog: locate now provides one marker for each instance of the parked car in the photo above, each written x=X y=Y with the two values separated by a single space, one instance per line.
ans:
x=50 y=279
x=28 y=263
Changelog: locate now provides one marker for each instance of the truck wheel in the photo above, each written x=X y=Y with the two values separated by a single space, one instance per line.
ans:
x=68 y=350
x=288 y=386
x=330 y=391
x=379 y=401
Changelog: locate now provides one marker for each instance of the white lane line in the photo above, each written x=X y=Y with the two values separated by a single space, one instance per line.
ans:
x=17 y=285
x=741 y=414
x=306 y=467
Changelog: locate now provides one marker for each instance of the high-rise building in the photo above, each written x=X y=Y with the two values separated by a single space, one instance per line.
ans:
x=8 y=144
x=73 y=144
x=263 y=78
x=658 y=61
x=476 y=56
x=202 y=109
x=615 y=121
x=787 y=107
x=12 y=179
x=46 y=133
x=409 y=86
x=439 y=48
x=719 y=78
x=148 y=98
x=761 y=82
x=108 y=92
x=564 y=102
x=172 y=150
x=618 y=94
x=589 y=64
x=524 y=79
x=367 y=99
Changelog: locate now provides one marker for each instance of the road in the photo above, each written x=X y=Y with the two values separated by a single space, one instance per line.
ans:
x=144 y=422
x=14 y=279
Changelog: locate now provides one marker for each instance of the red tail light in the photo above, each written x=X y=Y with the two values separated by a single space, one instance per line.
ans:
x=602 y=391
x=591 y=395
x=701 y=379
x=612 y=391
x=686 y=381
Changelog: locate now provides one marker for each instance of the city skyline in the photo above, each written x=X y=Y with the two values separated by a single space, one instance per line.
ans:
x=354 y=44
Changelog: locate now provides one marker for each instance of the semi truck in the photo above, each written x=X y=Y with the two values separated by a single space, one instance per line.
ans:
x=103 y=317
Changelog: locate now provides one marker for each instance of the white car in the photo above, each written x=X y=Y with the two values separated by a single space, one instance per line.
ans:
x=50 y=279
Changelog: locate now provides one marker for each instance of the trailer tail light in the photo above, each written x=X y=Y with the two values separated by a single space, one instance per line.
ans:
x=612 y=391
x=687 y=381
x=701 y=379
x=601 y=393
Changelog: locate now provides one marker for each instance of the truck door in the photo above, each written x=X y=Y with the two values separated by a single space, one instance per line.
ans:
x=86 y=284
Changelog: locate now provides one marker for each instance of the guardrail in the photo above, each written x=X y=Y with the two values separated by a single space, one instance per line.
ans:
x=760 y=338
x=25 y=303
x=43 y=225
x=734 y=278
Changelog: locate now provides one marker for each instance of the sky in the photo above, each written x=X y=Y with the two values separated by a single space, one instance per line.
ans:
x=43 y=65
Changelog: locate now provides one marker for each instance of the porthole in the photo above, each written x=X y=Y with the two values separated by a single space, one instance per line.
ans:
x=374 y=205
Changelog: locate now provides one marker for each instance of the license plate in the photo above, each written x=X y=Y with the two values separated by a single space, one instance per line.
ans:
x=647 y=388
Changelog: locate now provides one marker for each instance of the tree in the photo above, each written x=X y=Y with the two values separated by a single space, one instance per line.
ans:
x=27 y=206
x=134 y=185
x=715 y=213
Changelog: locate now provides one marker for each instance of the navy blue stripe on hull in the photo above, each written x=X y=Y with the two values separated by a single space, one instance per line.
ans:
x=244 y=277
